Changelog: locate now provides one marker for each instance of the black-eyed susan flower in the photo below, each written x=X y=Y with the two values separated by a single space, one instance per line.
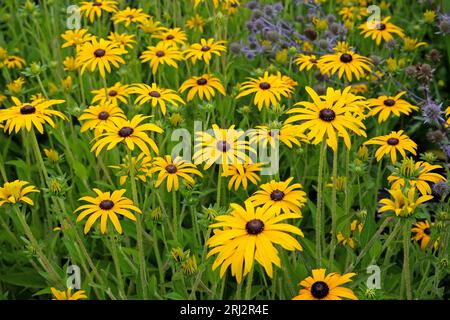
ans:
x=70 y=64
x=155 y=96
x=100 y=55
x=91 y=9
x=115 y=94
x=151 y=26
x=106 y=206
x=196 y=22
x=249 y=234
x=123 y=40
x=140 y=164
x=14 y=62
x=68 y=294
x=162 y=53
x=242 y=174
x=306 y=62
x=129 y=16
x=280 y=195
x=411 y=44
x=287 y=134
x=204 y=50
x=204 y=86
x=322 y=286
x=355 y=228
x=172 y=170
x=347 y=63
x=231 y=6
x=97 y=117
x=173 y=37
x=15 y=192
x=327 y=118
x=223 y=146
x=130 y=132
x=403 y=202
x=415 y=174
x=391 y=144
x=268 y=89
x=382 y=30
x=385 y=105
x=75 y=38
x=422 y=234
x=26 y=115
x=16 y=86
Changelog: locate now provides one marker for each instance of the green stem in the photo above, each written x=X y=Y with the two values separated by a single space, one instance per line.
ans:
x=219 y=186
x=333 y=211
x=116 y=261
x=248 y=289
x=320 y=204
x=175 y=214
x=406 y=269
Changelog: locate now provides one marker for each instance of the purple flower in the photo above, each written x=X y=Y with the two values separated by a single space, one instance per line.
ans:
x=432 y=113
x=441 y=188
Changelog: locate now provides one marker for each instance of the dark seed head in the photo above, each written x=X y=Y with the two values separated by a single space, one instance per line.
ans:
x=392 y=141
x=171 y=168
x=206 y=48
x=154 y=94
x=126 y=132
x=264 y=85
x=106 y=205
x=103 y=115
x=380 y=26
x=97 y=4
x=319 y=290
x=27 y=109
x=99 y=53
x=112 y=93
x=130 y=16
x=312 y=60
x=427 y=231
x=277 y=195
x=223 y=146
x=11 y=59
x=327 y=115
x=202 y=81
x=170 y=37
x=160 y=53
x=254 y=226
x=389 y=102
x=346 y=58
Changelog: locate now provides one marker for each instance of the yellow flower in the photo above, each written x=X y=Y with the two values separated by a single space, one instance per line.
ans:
x=97 y=117
x=202 y=86
x=67 y=83
x=90 y=9
x=115 y=94
x=344 y=240
x=306 y=62
x=15 y=191
x=141 y=164
x=12 y=62
x=231 y=6
x=204 y=50
x=130 y=15
x=52 y=155
x=70 y=64
x=391 y=144
x=429 y=16
x=151 y=26
x=385 y=105
x=68 y=295
x=106 y=206
x=422 y=234
x=325 y=287
x=411 y=44
x=281 y=56
x=174 y=36
x=16 y=86
x=195 y=23
x=403 y=203
x=288 y=134
x=393 y=64
x=249 y=234
x=123 y=40
x=242 y=174
x=156 y=96
x=320 y=24
x=162 y=53
x=76 y=38
x=381 y=31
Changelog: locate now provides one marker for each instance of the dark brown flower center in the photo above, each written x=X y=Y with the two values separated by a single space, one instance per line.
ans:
x=130 y=16
x=427 y=231
x=171 y=168
x=106 y=205
x=319 y=289
x=254 y=226
x=27 y=109
x=11 y=59
x=99 y=53
x=170 y=37
x=160 y=53
x=103 y=115
x=380 y=26
x=126 y=132
x=389 y=102
x=112 y=93
x=346 y=58
x=154 y=94
x=392 y=141
x=264 y=85
x=327 y=115
x=312 y=60
x=206 y=48
x=97 y=4
x=202 y=81
x=277 y=195
x=223 y=146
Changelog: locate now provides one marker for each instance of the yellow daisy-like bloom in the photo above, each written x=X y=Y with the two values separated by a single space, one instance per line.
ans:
x=156 y=96
x=306 y=62
x=26 y=115
x=151 y=26
x=322 y=286
x=68 y=295
x=100 y=54
x=403 y=203
x=162 y=53
x=415 y=174
x=12 y=62
x=174 y=36
x=115 y=94
x=225 y=147
x=16 y=86
x=429 y=16
x=52 y=155
x=344 y=240
x=130 y=132
x=385 y=105
x=204 y=50
x=422 y=234
x=203 y=86
x=231 y=6
x=249 y=234
x=171 y=170
x=268 y=89
x=129 y=16
x=97 y=117
x=76 y=38
x=242 y=174
x=280 y=195
x=123 y=40
x=381 y=31
x=106 y=206
x=195 y=23
x=411 y=44
x=15 y=191
x=140 y=164
x=90 y=9
x=328 y=117
x=391 y=144
x=288 y=134
x=70 y=64
x=348 y=63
